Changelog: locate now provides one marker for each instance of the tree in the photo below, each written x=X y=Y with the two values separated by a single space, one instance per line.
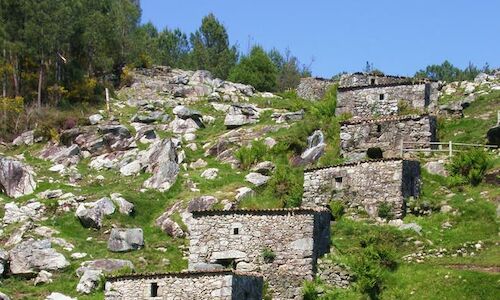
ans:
x=256 y=69
x=173 y=48
x=448 y=72
x=289 y=69
x=211 y=50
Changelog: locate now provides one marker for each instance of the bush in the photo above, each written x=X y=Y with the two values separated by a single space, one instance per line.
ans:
x=385 y=211
x=309 y=291
x=337 y=209
x=370 y=266
x=247 y=156
x=471 y=165
x=268 y=255
x=287 y=185
x=126 y=78
x=256 y=69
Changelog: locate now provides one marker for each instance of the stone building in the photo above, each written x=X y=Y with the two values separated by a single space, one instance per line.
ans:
x=387 y=99
x=367 y=79
x=313 y=88
x=364 y=185
x=281 y=244
x=359 y=135
x=199 y=285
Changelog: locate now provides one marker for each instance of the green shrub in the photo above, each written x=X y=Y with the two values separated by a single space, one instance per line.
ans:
x=385 y=211
x=268 y=255
x=309 y=291
x=247 y=156
x=286 y=184
x=470 y=165
x=337 y=209
x=404 y=108
x=371 y=264
x=256 y=69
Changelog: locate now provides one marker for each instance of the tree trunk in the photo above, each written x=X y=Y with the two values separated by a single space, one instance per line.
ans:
x=4 y=79
x=13 y=61
x=40 y=81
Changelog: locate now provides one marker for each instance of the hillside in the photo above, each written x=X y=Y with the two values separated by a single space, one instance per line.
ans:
x=175 y=140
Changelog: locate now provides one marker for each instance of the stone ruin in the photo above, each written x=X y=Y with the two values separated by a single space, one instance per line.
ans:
x=281 y=244
x=367 y=79
x=364 y=185
x=313 y=88
x=379 y=96
x=222 y=284
x=359 y=135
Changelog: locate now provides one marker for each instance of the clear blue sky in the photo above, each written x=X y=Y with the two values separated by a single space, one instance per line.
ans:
x=397 y=36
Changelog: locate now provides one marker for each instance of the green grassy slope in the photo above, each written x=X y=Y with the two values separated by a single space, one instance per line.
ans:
x=354 y=243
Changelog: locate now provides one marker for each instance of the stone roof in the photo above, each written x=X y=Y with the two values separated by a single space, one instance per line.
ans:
x=384 y=119
x=270 y=211
x=377 y=75
x=368 y=86
x=355 y=163
x=181 y=274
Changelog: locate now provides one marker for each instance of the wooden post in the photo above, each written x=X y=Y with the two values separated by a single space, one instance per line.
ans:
x=450 y=148
x=107 y=101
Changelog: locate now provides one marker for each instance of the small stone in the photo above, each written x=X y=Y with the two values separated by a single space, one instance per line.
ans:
x=446 y=209
x=43 y=277
x=58 y=296
x=57 y=168
x=210 y=174
x=78 y=255
x=200 y=163
x=95 y=119
x=257 y=179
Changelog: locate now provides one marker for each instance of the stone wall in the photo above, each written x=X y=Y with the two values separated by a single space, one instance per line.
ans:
x=392 y=99
x=313 y=88
x=225 y=285
x=334 y=274
x=247 y=240
x=365 y=79
x=356 y=136
x=364 y=185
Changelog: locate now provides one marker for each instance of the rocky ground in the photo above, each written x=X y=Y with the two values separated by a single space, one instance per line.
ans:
x=115 y=195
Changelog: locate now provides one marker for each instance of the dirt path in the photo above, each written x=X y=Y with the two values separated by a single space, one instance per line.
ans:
x=471 y=267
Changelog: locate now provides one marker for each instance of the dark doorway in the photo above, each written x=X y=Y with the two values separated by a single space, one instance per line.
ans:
x=427 y=95
x=227 y=263
x=375 y=153
x=154 y=289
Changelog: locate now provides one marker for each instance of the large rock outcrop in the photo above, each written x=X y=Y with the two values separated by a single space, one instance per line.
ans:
x=241 y=114
x=123 y=240
x=162 y=162
x=31 y=256
x=164 y=84
x=16 y=179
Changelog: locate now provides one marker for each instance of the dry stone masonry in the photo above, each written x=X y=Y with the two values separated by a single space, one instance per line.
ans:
x=282 y=244
x=387 y=99
x=358 y=135
x=367 y=79
x=364 y=185
x=199 y=285
x=313 y=88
